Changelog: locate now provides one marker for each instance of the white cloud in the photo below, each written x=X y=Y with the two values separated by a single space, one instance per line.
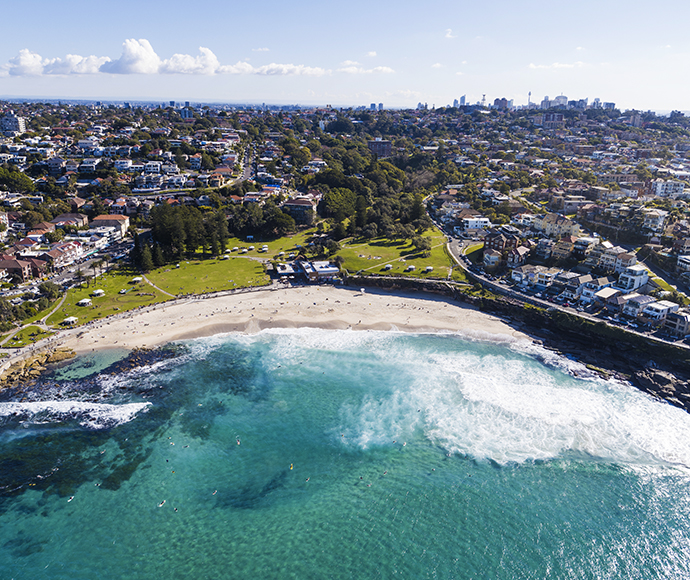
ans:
x=204 y=64
x=358 y=70
x=26 y=63
x=74 y=64
x=349 y=63
x=371 y=53
x=458 y=73
x=236 y=69
x=289 y=69
x=556 y=65
x=579 y=48
x=260 y=49
x=449 y=33
x=437 y=65
x=138 y=57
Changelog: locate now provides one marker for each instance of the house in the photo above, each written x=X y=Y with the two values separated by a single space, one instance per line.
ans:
x=524 y=275
x=517 y=256
x=562 y=249
x=555 y=225
x=544 y=248
x=655 y=313
x=636 y=304
x=606 y=294
x=591 y=288
x=76 y=220
x=575 y=285
x=678 y=322
x=492 y=258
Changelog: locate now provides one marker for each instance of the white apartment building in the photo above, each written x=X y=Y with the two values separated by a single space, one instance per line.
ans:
x=663 y=188
x=632 y=278
x=11 y=124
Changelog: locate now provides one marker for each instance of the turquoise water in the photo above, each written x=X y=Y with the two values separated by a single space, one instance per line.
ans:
x=339 y=454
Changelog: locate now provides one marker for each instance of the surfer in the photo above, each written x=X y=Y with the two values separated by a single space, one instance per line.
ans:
x=161 y=504
x=70 y=499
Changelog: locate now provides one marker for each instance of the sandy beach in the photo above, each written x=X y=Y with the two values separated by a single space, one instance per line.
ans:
x=310 y=306
x=275 y=307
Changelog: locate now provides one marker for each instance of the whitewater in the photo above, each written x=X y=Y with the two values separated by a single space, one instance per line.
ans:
x=313 y=453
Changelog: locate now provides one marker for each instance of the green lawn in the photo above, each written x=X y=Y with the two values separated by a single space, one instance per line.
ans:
x=474 y=253
x=373 y=256
x=140 y=294
x=214 y=275
x=27 y=335
x=285 y=244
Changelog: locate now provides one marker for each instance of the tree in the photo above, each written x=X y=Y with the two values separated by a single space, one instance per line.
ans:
x=157 y=256
x=146 y=258
x=422 y=245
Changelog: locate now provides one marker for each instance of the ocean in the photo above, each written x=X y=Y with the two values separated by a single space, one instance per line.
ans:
x=340 y=454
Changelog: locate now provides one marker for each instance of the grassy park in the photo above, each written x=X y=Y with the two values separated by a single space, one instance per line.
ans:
x=27 y=336
x=137 y=294
x=202 y=276
x=386 y=257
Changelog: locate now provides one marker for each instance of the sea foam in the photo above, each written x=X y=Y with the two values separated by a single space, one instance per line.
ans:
x=86 y=414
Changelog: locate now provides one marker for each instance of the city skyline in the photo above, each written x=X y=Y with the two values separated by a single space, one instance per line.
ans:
x=398 y=54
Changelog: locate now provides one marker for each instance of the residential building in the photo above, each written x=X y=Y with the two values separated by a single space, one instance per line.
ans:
x=636 y=304
x=593 y=286
x=671 y=188
x=656 y=312
x=11 y=125
x=380 y=147
x=492 y=258
x=555 y=225
x=19 y=268
x=633 y=278
x=678 y=322
x=120 y=222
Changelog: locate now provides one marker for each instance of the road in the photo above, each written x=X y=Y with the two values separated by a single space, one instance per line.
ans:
x=456 y=249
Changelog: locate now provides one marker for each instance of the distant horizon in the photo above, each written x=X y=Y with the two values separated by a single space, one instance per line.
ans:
x=266 y=103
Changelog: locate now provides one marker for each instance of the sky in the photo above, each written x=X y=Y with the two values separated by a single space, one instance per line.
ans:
x=348 y=54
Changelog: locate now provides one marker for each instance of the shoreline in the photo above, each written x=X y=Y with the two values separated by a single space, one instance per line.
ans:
x=328 y=307
x=250 y=311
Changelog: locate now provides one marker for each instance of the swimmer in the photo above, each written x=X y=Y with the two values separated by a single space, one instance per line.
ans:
x=161 y=504
x=291 y=466
x=175 y=509
x=385 y=472
x=238 y=440
x=215 y=492
x=185 y=447
x=308 y=478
